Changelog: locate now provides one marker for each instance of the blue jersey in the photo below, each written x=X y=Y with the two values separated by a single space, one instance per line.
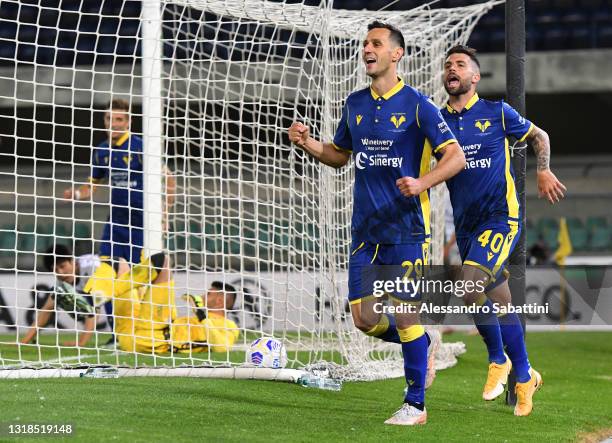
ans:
x=122 y=166
x=484 y=192
x=390 y=137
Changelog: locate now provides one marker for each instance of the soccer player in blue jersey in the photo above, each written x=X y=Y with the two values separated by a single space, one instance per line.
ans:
x=487 y=215
x=391 y=131
x=119 y=161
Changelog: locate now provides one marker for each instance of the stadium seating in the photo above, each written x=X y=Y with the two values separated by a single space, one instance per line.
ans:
x=8 y=246
x=82 y=238
x=254 y=239
x=281 y=237
x=249 y=238
x=601 y=238
x=531 y=237
x=196 y=241
x=591 y=236
x=578 y=234
x=30 y=240
x=547 y=224
x=212 y=233
x=62 y=235
x=600 y=234
x=593 y=222
x=44 y=236
x=551 y=25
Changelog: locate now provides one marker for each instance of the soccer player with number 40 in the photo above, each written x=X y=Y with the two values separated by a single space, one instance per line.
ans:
x=487 y=216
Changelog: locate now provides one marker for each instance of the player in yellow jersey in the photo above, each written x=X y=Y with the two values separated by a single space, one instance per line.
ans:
x=143 y=302
x=209 y=329
x=145 y=310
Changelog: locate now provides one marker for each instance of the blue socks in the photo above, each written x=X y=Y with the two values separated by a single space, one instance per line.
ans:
x=488 y=326
x=514 y=339
x=505 y=331
x=414 y=350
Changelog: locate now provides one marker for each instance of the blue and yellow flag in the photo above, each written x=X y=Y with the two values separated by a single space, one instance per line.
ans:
x=565 y=243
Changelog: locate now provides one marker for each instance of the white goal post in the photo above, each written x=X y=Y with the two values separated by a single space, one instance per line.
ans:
x=213 y=85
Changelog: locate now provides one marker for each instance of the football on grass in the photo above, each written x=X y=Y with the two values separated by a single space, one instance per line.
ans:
x=267 y=352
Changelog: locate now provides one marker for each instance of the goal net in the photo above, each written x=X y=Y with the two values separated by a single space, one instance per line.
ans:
x=213 y=86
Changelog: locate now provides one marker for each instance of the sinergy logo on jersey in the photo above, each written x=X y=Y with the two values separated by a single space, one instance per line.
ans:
x=362 y=160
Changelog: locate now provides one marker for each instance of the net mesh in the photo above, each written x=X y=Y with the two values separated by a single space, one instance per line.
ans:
x=248 y=209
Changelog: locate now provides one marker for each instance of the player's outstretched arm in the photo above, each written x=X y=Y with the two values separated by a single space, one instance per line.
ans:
x=326 y=153
x=548 y=185
x=83 y=192
x=42 y=318
x=169 y=197
x=451 y=163
x=170 y=191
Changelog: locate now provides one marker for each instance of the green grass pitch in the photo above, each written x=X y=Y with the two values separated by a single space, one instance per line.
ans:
x=576 y=398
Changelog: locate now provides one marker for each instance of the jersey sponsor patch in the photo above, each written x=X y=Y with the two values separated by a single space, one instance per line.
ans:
x=478 y=163
x=443 y=127
x=363 y=160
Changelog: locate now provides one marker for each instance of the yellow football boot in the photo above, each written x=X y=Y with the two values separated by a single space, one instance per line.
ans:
x=524 y=393
x=496 y=380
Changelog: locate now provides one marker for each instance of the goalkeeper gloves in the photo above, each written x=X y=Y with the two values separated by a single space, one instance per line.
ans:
x=69 y=300
x=199 y=308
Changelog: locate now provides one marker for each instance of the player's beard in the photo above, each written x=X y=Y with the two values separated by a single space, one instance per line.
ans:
x=463 y=88
x=382 y=69
x=373 y=75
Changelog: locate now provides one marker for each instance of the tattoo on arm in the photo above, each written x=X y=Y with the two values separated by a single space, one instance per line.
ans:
x=540 y=142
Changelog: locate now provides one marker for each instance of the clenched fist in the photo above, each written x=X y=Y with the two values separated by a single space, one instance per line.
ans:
x=410 y=186
x=298 y=134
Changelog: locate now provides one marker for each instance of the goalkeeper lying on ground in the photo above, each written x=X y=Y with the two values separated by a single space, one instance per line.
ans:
x=144 y=304
x=145 y=311
x=209 y=328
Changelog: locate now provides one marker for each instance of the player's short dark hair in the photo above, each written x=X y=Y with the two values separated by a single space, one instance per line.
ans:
x=229 y=291
x=55 y=255
x=396 y=35
x=119 y=104
x=462 y=49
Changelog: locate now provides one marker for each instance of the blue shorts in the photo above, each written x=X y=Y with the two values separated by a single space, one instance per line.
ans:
x=489 y=249
x=371 y=262
x=122 y=241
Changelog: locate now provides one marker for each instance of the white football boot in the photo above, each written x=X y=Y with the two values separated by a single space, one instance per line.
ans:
x=408 y=415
